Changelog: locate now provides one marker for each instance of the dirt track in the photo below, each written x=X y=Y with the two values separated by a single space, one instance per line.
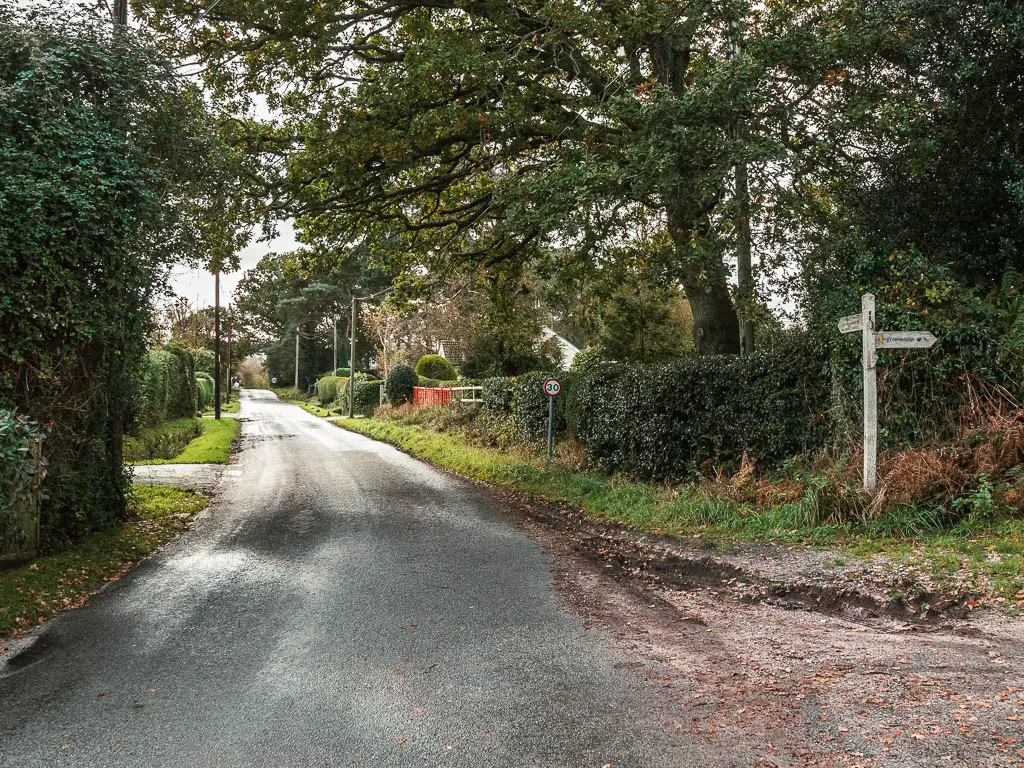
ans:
x=838 y=676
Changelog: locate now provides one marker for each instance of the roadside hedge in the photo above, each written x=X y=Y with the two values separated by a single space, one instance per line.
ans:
x=22 y=471
x=664 y=422
x=165 y=387
x=329 y=387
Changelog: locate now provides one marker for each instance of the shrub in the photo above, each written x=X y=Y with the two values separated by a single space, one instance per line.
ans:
x=436 y=367
x=529 y=407
x=329 y=388
x=203 y=359
x=205 y=383
x=664 y=422
x=367 y=395
x=400 y=382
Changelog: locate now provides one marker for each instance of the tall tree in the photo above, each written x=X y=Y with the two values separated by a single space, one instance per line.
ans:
x=486 y=130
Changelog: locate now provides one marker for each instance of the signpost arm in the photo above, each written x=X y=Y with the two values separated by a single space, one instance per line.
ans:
x=870 y=392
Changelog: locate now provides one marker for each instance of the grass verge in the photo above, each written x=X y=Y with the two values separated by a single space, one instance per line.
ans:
x=37 y=591
x=212 y=446
x=986 y=554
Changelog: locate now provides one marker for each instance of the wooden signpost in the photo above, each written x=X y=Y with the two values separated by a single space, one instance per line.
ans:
x=871 y=341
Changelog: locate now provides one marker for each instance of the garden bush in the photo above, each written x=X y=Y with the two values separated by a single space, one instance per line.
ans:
x=497 y=395
x=329 y=388
x=206 y=385
x=399 y=385
x=436 y=367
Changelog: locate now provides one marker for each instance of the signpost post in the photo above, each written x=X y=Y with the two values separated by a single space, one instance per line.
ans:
x=551 y=388
x=871 y=341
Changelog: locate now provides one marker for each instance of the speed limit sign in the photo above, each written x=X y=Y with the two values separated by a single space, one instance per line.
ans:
x=552 y=387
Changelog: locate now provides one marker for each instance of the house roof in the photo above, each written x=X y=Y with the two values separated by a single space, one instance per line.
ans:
x=453 y=350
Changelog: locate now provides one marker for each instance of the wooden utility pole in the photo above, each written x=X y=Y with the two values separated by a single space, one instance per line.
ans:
x=216 y=344
x=335 y=345
x=120 y=12
x=296 y=358
x=227 y=366
x=352 y=361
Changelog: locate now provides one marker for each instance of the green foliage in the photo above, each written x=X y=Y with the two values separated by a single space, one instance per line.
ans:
x=497 y=394
x=203 y=360
x=669 y=421
x=367 y=396
x=162 y=441
x=436 y=367
x=107 y=164
x=206 y=386
x=399 y=384
x=22 y=470
x=330 y=387
x=166 y=385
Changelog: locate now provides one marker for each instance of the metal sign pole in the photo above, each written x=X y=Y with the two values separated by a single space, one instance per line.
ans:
x=551 y=419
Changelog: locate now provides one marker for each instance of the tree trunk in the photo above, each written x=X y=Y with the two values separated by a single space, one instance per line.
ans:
x=716 y=327
x=716 y=330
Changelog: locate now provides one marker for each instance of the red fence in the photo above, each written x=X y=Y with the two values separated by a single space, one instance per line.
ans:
x=431 y=396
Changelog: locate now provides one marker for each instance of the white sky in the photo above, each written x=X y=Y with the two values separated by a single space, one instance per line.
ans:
x=196 y=285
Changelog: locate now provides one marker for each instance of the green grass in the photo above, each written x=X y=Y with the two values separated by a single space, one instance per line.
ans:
x=161 y=441
x=318 y=410
x=994 y=549
x=32 y=593
x=213 y=446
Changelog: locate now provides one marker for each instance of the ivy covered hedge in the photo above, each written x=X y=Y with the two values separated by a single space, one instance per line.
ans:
x=108 y=162
x=22 y=470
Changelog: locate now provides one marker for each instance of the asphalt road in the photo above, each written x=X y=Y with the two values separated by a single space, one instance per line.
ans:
x=339 y=604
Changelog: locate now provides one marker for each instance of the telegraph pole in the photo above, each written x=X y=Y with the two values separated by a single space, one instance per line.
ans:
x=352 y=362
x=216 y=343
x=335 y=345
x=121 y=12
x=227 y=367
x=296 y=358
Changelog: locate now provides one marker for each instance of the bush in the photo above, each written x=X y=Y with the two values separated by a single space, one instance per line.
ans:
x=400 y=382
x=329 y=388
x=664 y=422
x=529 y=407
x=436 y=367
x=203 y=360
x=205 y=383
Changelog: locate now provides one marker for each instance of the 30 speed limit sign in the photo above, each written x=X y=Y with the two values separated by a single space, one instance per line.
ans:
x=552 y=387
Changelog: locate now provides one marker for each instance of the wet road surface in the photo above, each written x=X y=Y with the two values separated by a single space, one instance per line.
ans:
x=338 y=604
